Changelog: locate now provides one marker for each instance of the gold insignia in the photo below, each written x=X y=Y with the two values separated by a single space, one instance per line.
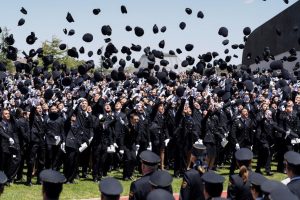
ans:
x=184 y=184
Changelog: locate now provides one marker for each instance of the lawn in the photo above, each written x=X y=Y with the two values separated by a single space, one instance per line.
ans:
x=85 y=189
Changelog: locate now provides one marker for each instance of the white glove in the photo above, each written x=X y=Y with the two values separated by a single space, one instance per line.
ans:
x=63 y=147
x=226 y=134
x=137 y=147
x=199 y=141
x=115 y=145
x=167 y=142
x=121 y=152
x=237 y=146
x=74 y=105
x=83 y=147
x=111 y=149
x=122 y=121
x=288 y=133
x=57 y=140
x=11 y=141
x=149 y=147
x=90 y=140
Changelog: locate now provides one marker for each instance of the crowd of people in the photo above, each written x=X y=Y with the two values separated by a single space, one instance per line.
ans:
x=82 y=122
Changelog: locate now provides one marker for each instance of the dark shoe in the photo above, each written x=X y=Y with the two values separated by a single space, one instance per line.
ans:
x=269 y=174
x=28 y=184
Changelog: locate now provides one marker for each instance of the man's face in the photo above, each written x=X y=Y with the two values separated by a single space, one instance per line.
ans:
x=118 y=106
x=245 y=113
x=53 y=109
x=39 y=110
x=84 y=105
x=6 y=115
x=107 y=108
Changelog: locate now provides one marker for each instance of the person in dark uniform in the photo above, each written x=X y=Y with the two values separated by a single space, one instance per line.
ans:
x=293 y=171
x=52 y=184
x=140 y=188
x=129 y=145
x=3 y=180
x=192 y=184
x=73 y=141
x=10 y=145
x=37 y=143
x=55 y=134
x=213 y=185
x=161 y=180
x=275 y=190
x=160 y=194
x=256 y=180
x=239 y=186
x=241 y=134
x=110 y=189
x=23 y=123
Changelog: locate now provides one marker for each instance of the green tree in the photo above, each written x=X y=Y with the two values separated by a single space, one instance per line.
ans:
x=52 y=48
x=9 y=64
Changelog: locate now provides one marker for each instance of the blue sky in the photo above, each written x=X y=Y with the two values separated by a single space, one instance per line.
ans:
x=47 y=18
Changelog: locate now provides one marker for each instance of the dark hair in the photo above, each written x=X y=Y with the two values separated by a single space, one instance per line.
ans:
x=257 y=189
x=52 y=190
x=109 y=197
x=244 y=174
x=214 y=189
x=293 y=168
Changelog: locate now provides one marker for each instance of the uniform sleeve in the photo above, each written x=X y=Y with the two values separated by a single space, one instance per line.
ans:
x=132 y=192
x=185 y=189
x=233 y=132
x=231 y=191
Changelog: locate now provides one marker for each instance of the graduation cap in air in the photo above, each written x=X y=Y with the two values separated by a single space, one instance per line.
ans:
x=223 y=31
x=48 y=94
x=67 y=81
x=62 y=46
x=106 y=30
x=87 y=37
x=65 y=31
x=81 y=50
x=128 y=28
x=123 y=9
x=155 y=29
x=182 y=25
x=277 y=64
x=11 y=53
x=96 y=11
x=171 y=52
x=189 y=47
x=21 y=22
x=234 y=46
x=90 y=53
x=161 y=44
x=225 y=42
x=69 y=18
x=178 y=51
x=200 y=14
x=73 y=52
x=139 y=31
x=71 y=32
x=9 y=40
x=23 y=10
x=188 y=11
x=31 y=38
x=163 y=29
x=136 y=48
x=247 y=31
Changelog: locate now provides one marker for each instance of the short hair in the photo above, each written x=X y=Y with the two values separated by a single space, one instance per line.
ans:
x=293 y=168
x=214 y=189
x=109 y=197
x=52 y=190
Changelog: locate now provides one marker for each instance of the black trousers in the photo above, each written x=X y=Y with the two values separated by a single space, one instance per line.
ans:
x=129 y=162
x=99 y=161
x=265 y=154
x=11 y=164
x=84 y=160
x=24 y=156
x=37 y=151
x=71 y=164
x=52 y=156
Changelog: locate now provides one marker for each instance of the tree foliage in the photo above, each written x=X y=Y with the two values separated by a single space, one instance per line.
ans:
x=9 y=64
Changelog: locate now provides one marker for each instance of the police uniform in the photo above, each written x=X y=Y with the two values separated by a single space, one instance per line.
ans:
x=110 y=188
x=140 y=188
x=293 y=160
x=3 y=180
x=160 y=194
x=237 y=188
x=52 y=183
x=213 y=184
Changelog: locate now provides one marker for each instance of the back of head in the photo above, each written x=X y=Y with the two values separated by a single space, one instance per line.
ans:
x=51 y=191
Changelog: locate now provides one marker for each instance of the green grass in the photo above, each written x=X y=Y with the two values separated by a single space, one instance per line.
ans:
x=85 y=189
